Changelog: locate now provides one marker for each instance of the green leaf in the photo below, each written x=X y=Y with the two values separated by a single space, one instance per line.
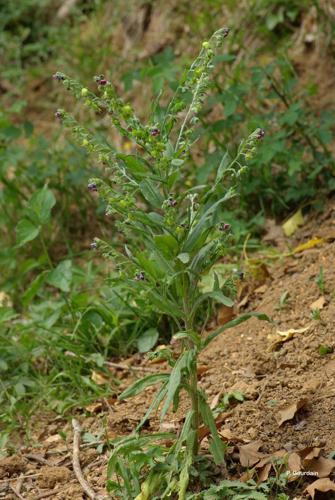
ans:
x=167 y=244
x=224 y=163
x=41 y=204
x=134 y=164
x=147 y=340
x=217 y=296
x=30 y=293
x=26 y=231
x=142 y=384
x=151 y=194
x=160 y=395
x=163 y=305
x=200 y=232
x=235 y=322
x=175 y=380
x=6 y=314
x=217 y=448
x=61 y=277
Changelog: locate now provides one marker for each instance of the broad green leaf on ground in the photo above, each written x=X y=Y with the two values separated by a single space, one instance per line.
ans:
x=41 y=204
x=26 y=231
x=147 y=340
x=61 y=276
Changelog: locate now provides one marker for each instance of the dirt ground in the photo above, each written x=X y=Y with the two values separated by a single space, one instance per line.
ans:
x=287 y=384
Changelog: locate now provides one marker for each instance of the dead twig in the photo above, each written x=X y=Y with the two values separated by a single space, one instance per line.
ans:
x=21 y=477
x=16 y=492
x=47 y=494
x=121 y=366
x=76 y=463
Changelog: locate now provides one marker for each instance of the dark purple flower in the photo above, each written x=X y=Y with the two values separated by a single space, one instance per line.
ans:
x=224 y=227
x=58 y=76
x=171 y=202
x=103 y=81
x=58 y=114
x=155 y=131
x=140 y=276
x=92 y=187
x=94 y=245
x=260 y=134
x=225 y=32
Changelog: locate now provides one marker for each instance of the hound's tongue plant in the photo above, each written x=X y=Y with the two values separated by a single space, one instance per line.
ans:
x=168 y=236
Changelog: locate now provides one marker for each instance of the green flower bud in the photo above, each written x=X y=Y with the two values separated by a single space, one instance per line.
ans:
x=84 y=91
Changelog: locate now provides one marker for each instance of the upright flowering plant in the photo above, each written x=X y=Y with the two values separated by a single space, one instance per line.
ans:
x=168 y=235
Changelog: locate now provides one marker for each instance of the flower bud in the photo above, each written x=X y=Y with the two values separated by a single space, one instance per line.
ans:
x=154 y=132
x=84 y=91
x=224 y=227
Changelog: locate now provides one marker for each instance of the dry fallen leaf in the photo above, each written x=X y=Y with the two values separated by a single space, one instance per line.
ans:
x=99 y=378
x=324 y=485
x=323 y=466
x=294 y=462
x=309 y=453
x=318 y=304
x=292 y=224
x=309 y=244
x=225 y=314
x=288 y=412
x=263 y=473
x=249 y=454
x=228 y=435
x=261 y=289
x=201 y=370
x=283 y=336
x=94 y=407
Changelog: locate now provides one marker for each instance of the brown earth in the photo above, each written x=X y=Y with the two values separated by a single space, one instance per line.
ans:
x=288 y=385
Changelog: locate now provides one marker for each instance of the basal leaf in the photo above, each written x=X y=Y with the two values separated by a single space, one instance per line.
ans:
x=147 y=340
x=26 y=231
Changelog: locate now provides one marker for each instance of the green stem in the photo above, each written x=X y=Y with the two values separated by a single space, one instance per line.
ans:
x=193 y=387
x=195 y=406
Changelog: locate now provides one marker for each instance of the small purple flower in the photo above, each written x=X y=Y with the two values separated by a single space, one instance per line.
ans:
x=94 y=245
x=58 y=115
x=224 y=227
x=260 y=134
x=155 y=131
x=92 y=187
x=171 y=202
x=103 y=81
x=58 y=76
x=140 y=276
